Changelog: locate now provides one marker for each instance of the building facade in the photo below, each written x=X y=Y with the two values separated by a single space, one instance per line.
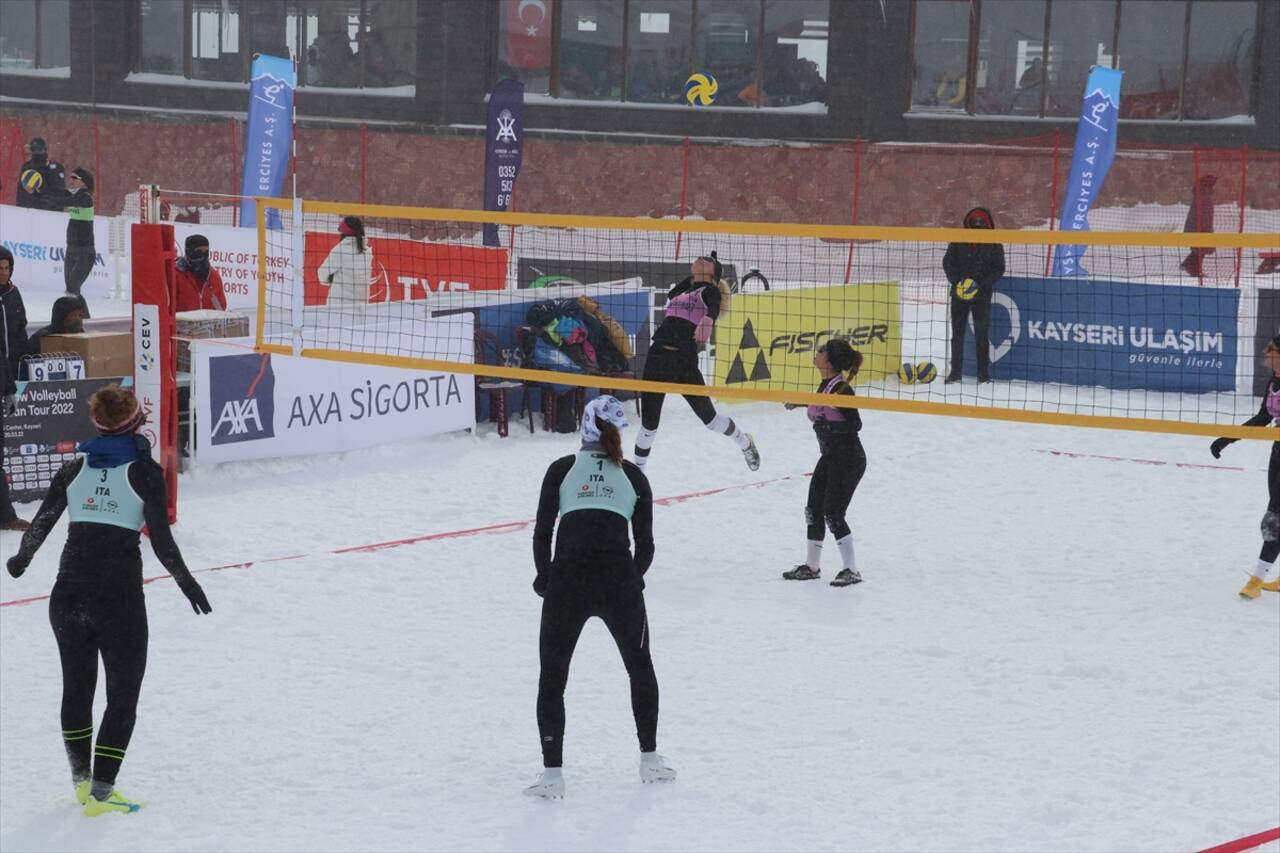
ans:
x=613 y=72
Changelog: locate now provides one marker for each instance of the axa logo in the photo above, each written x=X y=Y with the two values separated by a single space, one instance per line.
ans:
x=241 y=398
x=239 y=417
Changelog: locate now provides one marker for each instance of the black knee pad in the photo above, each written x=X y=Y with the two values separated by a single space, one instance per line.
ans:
x=836 y=524
x=809 y=516
x=1271 y=526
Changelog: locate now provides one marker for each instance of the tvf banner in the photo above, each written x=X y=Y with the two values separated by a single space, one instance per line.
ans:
x=1094 y=151
x=268 y=136
x=1114 y=334
x=408 y=270
x=768 y=340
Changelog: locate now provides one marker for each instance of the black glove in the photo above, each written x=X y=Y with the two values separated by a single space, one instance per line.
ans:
x=1218 y=446
x=790 y=406
x=16 y=565
x=194 y=594
x=540 y=585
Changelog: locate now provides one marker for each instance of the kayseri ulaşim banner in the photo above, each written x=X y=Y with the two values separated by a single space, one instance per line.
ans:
x=1113 y=334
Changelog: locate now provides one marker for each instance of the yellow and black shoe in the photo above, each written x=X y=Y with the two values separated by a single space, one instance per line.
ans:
x=82 y=791
x=1272 y=586
x=116 y=802
x=1253 y=588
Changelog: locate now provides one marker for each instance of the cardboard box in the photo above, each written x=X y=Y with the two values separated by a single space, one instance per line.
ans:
x=105 y=354
x=207 y=323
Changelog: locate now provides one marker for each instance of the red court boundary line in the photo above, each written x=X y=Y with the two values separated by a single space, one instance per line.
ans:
x=505 y=527
x=1073 y=455
x=1246 y=843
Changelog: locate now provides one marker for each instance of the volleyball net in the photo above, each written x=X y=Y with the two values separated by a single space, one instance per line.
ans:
x=1147 y=331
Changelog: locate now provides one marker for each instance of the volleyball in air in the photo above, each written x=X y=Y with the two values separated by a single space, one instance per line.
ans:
x=700 y=89
x=32 y=180
x=922 y=372
x=966 y=289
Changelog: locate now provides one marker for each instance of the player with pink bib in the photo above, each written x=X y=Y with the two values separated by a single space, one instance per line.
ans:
x=692 y=308
x=1268 y=414
x=840 y=468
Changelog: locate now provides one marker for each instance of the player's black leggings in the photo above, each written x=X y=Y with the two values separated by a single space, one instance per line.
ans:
x=835 y=478
x=672 y=365
x=981 y=308
x=89 y=621
x=573 y=596
x=1271 y=549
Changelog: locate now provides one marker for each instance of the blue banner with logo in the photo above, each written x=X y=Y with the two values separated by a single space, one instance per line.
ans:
x=1113 y=334
x=269 y=135
x=504 y=143
x=1094 y=151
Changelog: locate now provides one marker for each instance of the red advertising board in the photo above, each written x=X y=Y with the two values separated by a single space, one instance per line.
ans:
x=409 y=270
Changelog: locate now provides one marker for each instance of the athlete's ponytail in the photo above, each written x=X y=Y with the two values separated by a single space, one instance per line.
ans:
x=610 y=440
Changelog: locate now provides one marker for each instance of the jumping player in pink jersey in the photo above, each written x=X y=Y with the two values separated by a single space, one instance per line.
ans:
x=673 y=357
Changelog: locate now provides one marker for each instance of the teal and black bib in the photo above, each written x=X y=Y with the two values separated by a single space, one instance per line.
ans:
x=595 y=482
x=104 y=496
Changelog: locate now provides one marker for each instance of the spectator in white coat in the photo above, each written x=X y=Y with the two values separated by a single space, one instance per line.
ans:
x=348 y=270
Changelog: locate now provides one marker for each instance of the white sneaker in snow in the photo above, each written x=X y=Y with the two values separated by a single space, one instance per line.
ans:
x=550 y=785
x=655 y=768
x=751 y=454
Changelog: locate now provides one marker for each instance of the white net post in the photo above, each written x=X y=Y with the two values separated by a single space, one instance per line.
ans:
x=298 y=247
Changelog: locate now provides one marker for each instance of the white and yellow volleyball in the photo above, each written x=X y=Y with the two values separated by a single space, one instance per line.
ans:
x=700 y=89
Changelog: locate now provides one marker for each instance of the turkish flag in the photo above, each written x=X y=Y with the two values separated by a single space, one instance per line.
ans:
x=528 y=25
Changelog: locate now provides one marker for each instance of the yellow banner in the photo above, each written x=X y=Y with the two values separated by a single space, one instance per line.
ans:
x=768 y=340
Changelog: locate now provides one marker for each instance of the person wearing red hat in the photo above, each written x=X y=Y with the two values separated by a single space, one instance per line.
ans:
x=97 y=608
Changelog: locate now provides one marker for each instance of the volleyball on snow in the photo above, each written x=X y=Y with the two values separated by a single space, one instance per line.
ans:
x=700 y=89
x=922 y=372
x=966 y=289
x=32 y=180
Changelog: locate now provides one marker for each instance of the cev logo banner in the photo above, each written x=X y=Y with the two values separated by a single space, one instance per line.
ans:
x=768 y=340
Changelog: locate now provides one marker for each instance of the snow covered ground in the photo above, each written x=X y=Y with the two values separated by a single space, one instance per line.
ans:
x=1048 y=653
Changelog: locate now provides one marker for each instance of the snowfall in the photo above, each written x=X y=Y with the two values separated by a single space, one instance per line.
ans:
x=1048 y=653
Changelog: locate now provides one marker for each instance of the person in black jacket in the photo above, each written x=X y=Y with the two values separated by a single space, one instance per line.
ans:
x=840 y=466
x=13 y=346
x=81 y=253
x=597 y=495
x=67 y=319
x=52 y=188
x=692 y=308
x=97 y=606
x=1268 y=414
x=973 y=270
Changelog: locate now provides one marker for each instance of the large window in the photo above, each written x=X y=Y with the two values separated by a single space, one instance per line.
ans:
x=35 y=34
x=1182 y=59
x=762 y=53
x=345 y=44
